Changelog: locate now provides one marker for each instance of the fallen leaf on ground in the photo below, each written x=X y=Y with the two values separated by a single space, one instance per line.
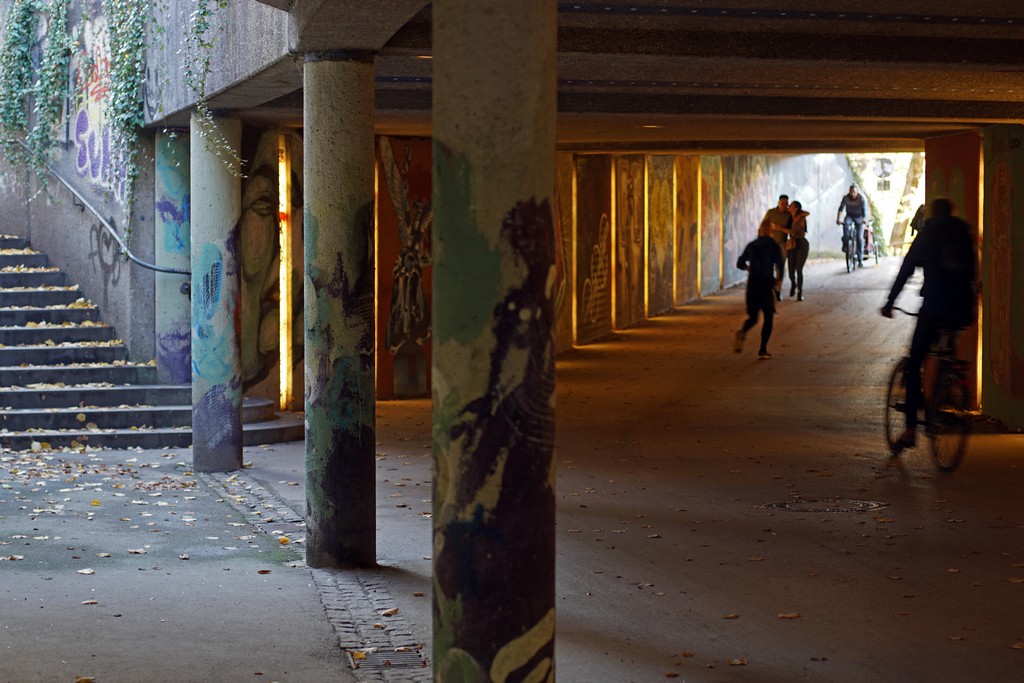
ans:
x=738 y=662
x=789 y=615
x=731 y=616
x=389 y=612
x=87 y=572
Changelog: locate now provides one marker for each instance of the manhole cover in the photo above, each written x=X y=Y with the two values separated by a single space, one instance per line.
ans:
x=826 y=505
x=379 y=660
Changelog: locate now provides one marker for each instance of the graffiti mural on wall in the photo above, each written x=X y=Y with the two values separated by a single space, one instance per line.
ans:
x=629 y=241
x=405 y=229
x=687 y=203
x=88 y=130
x=563 y=253
x=748 y=192
x=1003 y=286
x=660 y=223
x=593 y=244
x=259 y=254
x=173 y=224
x=711 y=224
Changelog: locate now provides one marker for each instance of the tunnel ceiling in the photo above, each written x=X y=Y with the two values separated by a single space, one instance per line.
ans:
x=743 y=75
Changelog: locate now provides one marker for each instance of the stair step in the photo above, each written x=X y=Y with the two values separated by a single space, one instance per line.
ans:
x=85 y=373
x=38 y=334
x=23 y=257
x=118 y=417
x=286 y=427
x=50 y=396
x=40 y=296
x=50 y=277
x=12 y=242
x=15 y=317
x=16 y=356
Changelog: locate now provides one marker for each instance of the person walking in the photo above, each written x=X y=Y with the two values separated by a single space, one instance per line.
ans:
x=945 y=250
x=797 y=248
x=762 y=259
x=777 y=222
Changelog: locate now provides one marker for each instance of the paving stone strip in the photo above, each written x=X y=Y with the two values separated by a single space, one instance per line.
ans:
x=378 y=641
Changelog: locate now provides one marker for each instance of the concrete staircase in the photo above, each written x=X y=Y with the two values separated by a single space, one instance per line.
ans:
x=65 y=381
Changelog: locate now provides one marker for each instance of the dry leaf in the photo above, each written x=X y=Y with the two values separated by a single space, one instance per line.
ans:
x=95 y=502
x=136 y=551
x=389 y=612
x=789 y=615
x=87 y=572
x=85 y=679
x=89 y=602
x=1018 y=645
x=731 y=616
x=284 y=540
x=1015 y=579
x=263 y=571
x=738 y=662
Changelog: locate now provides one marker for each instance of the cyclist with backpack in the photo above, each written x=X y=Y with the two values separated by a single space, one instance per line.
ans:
x=945 y=250
x=855 y=206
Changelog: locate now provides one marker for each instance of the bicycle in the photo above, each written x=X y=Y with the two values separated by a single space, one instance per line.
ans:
x=946 y=419
x=849 y=249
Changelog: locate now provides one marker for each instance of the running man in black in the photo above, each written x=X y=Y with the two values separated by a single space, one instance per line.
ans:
x=762 y=259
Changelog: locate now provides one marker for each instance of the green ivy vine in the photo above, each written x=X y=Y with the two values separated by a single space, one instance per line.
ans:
x=51 y=89
x=16 y=76
x=124 y=112
x=196 y=68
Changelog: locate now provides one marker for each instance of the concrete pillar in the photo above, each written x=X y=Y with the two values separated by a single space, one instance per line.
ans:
x=173 y=208
x=493 y=382
x=338 y=171
x=216 y=366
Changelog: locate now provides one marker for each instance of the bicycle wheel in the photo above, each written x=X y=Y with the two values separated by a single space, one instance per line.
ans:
x=948 y=422
x=896 y=407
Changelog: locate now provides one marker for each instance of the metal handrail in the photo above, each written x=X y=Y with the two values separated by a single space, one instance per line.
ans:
x=109 y=228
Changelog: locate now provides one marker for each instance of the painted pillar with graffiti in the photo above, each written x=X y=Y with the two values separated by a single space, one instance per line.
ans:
x=338 y=170
x=216 y=365
x=493 y=388
x=173 y=208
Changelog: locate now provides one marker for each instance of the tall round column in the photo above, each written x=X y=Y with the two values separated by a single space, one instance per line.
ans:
x=493 y=368
x=338 y=168
x=173 y=209
x=216 y=365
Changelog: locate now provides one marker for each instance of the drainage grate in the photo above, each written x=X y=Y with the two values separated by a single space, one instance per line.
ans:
x=382 y=660
x=826 y=505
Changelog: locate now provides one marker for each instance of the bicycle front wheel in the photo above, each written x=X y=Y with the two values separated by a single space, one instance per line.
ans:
x=896 y=407
x=949 y=423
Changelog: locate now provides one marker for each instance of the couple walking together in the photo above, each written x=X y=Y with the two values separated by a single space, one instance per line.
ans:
x=783 y=231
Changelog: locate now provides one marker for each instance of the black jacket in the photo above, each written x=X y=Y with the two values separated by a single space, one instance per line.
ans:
x=761 y=257
x=945 y=250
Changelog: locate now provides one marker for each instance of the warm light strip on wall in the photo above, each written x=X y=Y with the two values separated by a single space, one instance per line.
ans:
x=376 y=263
x=700 y=227
x=573 y=256
x=284 y=207
x=721 y=224
x=675 y=231
x=613 y=251
x=646 y=269
x=980 y=222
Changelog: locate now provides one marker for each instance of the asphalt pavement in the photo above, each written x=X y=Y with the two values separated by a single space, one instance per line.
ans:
x=721 y=518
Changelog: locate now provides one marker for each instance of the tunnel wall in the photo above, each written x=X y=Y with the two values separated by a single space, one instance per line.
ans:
x=1003 y=275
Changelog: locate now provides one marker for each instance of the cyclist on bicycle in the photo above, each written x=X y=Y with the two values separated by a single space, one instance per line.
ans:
x=945 y=249
x=856 y=209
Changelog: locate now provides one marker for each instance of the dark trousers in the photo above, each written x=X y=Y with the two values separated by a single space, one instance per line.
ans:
x=796 y=258
x=925 y=334
x=760 y=299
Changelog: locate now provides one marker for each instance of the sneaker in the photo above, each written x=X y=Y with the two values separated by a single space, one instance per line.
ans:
x=800 y=296
x=764 y=355
x=907 y=438
x=737 y=344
